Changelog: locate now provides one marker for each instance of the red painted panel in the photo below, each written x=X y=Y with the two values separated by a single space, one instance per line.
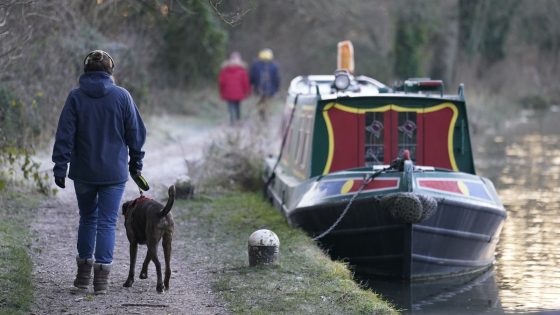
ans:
x=394 y=131
x=436 y=130
x=420 y=139
x=375 y=184
x=446 y=185
x=345 y=139
x=387 y=135
x=361 y=139
x=359 y=121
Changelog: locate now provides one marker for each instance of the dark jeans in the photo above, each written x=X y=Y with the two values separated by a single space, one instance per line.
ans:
x=99 y=211
x=234 y=111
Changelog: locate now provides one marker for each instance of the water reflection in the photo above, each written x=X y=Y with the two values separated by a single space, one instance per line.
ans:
x=474 y=295
x=526 y=170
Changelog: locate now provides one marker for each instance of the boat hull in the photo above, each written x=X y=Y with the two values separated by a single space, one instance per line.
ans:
x=458 y=236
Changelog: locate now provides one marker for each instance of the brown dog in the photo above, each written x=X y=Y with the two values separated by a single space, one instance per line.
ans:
x=147 y=222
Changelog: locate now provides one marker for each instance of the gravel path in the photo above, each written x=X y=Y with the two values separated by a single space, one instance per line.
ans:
x=54 y=230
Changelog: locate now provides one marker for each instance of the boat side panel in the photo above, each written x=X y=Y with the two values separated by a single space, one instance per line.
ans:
x=298 y=130
x=458 y=237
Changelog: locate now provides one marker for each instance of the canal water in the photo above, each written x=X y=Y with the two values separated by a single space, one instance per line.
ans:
x=523 y=161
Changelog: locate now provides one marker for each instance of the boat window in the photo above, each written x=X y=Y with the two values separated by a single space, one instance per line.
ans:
x=295 y=144
x=306 y=140
x=304 y=151
x=301 y=141
x=291 y=144
x=407 y=129
x=374 y=146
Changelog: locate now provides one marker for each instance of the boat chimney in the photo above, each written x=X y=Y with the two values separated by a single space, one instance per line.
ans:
x=345 y=57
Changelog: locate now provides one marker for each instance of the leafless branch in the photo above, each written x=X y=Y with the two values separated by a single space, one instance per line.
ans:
x=8 y=52
x=231 y=18
x=5 y=17
x=12 y=3
x=52 y=18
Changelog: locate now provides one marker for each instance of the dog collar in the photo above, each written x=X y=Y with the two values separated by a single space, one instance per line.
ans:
x=139 y=200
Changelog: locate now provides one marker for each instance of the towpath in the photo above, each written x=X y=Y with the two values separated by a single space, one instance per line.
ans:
x=170 y=141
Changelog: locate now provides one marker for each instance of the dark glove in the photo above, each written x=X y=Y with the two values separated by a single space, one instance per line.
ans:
x=59 y=181
x=140 y=180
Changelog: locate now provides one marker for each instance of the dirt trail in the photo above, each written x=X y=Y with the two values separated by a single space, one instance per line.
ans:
x=170 y=141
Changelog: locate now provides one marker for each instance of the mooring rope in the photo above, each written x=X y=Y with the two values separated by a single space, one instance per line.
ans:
x=366 y=182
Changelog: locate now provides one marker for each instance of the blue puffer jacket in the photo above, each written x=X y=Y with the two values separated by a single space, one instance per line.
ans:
x=98 y=129
x=264 y=77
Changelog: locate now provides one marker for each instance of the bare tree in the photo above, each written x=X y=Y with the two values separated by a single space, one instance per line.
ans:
x=14 y=31
x=232 y=13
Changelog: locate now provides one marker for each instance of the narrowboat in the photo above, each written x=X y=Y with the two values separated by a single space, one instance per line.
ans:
x=384 y=177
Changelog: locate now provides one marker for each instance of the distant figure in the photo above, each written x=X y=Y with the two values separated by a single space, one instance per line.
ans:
x=265 y=79
x=234 y=85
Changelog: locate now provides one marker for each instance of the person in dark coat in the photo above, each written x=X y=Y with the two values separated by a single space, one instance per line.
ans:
x=234 y=85
x=265 y=79
x=99 y=129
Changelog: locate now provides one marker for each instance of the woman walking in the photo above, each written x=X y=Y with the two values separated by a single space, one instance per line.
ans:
x=234 y=85
x=98 y=130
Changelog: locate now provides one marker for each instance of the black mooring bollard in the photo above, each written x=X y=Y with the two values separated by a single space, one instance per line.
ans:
x=264 y=248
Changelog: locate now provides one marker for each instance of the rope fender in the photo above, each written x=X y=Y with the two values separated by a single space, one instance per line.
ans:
x=410 y=207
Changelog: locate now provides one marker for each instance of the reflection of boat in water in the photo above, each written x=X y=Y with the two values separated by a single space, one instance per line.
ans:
x=424 y=215
x=469 y=295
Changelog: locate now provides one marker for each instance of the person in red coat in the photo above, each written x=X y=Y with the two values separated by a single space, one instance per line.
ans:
x=234 y=85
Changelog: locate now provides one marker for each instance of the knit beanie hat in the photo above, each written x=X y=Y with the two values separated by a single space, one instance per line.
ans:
x=266 y=54
x=98 y=60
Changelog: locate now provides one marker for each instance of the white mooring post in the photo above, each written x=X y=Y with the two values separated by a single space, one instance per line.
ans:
x=264 y=248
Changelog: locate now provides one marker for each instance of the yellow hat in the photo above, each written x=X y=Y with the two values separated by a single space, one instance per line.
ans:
x=266 y=54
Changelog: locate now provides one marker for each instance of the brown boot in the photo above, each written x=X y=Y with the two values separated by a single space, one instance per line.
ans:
x=101 y=277
x=84 y=272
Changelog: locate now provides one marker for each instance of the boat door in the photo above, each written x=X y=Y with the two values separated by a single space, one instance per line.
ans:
x=365 y=135
x=388 y=133
x=426 y=132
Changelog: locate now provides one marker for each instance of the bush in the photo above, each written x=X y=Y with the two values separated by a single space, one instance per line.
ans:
x=18 y=127
x=233 y=161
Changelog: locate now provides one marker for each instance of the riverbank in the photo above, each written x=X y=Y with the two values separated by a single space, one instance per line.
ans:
x=210 y=251
x=16 y=285
x=305 y=280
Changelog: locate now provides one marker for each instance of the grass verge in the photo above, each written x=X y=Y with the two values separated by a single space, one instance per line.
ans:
x=16 y=286
x=305 y=281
